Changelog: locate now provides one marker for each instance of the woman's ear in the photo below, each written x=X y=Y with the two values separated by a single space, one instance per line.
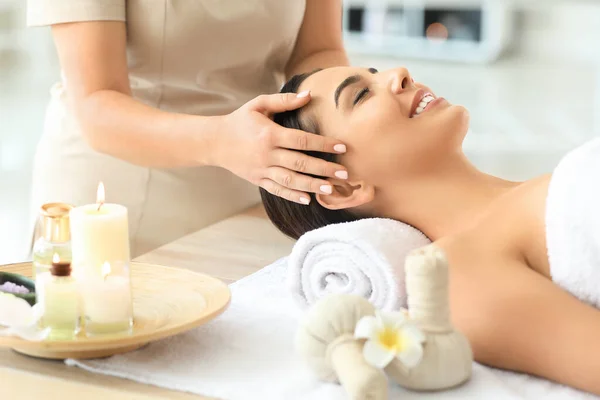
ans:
x=347 y=194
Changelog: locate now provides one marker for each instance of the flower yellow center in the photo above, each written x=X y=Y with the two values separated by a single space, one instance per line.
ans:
x=391 y=339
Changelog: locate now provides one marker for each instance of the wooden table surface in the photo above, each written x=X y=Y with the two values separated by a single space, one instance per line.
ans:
x=229 y=250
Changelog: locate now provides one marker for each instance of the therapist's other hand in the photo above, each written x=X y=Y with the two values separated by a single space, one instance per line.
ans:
x=265 y=153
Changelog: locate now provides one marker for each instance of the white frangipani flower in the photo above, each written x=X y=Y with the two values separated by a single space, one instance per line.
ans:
x=389 y=335
x=18 y=318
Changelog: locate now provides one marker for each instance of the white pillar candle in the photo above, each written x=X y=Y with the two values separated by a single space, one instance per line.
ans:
x=99 y=234
x=107 y=300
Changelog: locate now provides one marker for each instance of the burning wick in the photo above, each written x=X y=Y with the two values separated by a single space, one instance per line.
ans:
x=100 y=195
x=105 y=270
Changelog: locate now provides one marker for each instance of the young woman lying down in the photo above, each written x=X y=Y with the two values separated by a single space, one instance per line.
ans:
x=524 y=271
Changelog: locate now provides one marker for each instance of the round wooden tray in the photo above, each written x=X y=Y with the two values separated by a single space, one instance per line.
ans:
x=166 y=301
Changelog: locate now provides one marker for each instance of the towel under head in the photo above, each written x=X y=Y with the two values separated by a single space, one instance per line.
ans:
x=364 y=257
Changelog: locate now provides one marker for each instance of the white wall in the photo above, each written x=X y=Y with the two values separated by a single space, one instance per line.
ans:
x=559 y=30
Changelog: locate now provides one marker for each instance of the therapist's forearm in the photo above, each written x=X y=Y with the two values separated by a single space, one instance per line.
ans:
x=93 y=57
x=116 y=124
x=321 y=59
x=319 y=43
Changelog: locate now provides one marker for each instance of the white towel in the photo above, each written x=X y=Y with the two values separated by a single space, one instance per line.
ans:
x=247 y=353
x=573 y=223
x=364 y=258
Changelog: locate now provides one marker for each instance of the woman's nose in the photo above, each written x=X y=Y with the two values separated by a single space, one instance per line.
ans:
x=400 y=80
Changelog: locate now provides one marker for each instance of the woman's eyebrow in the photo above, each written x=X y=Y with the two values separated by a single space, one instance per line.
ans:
x=345 y=83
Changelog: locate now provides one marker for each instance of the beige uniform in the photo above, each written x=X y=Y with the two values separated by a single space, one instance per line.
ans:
x=202 y=57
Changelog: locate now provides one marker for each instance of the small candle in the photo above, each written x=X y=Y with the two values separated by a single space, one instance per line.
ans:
x=99 y=233
x=107 y=300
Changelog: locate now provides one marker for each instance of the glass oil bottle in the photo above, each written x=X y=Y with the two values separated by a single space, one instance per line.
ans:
x=54 y=237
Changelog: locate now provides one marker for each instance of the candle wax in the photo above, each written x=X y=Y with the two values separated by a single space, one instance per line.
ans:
x=99 y=236
x=107 y=305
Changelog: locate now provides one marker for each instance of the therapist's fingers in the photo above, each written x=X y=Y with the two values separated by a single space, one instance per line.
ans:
x=281 y=191
x=296 y=181
x=303 y=163
x=306 y=141
x=270 y=104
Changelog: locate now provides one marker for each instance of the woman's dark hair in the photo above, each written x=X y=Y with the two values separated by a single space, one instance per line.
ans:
x=289 y=217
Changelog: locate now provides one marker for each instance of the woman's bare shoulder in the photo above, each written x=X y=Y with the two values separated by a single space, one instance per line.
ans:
x=519 y=224
x=512 y=230
x=531 y=206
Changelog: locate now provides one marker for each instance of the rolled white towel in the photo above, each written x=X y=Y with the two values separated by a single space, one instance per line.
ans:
x=364 y=257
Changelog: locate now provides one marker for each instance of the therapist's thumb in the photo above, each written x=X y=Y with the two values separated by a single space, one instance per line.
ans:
x=276 y=103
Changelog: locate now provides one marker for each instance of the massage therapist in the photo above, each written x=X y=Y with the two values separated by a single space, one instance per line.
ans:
x=162 y=100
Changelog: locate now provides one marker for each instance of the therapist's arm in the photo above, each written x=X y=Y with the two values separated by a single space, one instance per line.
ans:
x=246 y=142
x=319 y=43
x=93 y=58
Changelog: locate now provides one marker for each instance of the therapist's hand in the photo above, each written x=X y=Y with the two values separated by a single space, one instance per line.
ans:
x=265 y=153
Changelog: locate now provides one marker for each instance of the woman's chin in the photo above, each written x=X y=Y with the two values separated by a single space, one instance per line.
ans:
x=459 y=110
x=466 y=118
x=460 y=118
x=455 y=125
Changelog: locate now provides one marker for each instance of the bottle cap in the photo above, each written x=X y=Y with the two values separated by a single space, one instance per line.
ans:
x=62 y=268
x=55 y=222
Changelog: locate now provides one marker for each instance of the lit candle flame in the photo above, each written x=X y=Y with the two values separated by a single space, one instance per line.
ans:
x=100 y=195
x=55 y=258
x=105 y=270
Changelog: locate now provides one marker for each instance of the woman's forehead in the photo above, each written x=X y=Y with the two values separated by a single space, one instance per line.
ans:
x=326 y=80
x=322 y=85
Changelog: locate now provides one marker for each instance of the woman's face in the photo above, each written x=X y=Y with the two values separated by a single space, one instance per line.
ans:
x=393 y=127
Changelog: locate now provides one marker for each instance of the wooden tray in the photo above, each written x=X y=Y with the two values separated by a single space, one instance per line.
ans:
x=166 y=301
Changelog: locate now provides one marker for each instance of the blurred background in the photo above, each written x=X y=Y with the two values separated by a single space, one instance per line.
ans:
x=528 y=71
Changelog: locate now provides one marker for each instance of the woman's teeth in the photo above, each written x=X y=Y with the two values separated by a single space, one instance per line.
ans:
x=423 y=104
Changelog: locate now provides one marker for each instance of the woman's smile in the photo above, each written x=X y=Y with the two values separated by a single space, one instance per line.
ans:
x=420 y=101
x=434 y=103
x=424 y=101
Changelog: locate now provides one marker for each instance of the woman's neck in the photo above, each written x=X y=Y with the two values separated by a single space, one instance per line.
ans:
x=446 y=202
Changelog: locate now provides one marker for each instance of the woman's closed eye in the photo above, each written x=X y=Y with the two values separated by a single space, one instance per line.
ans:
x=361 y=95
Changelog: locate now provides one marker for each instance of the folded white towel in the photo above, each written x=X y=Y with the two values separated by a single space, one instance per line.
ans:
x=573 y=223
x=364 y=258
x=247 y=353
